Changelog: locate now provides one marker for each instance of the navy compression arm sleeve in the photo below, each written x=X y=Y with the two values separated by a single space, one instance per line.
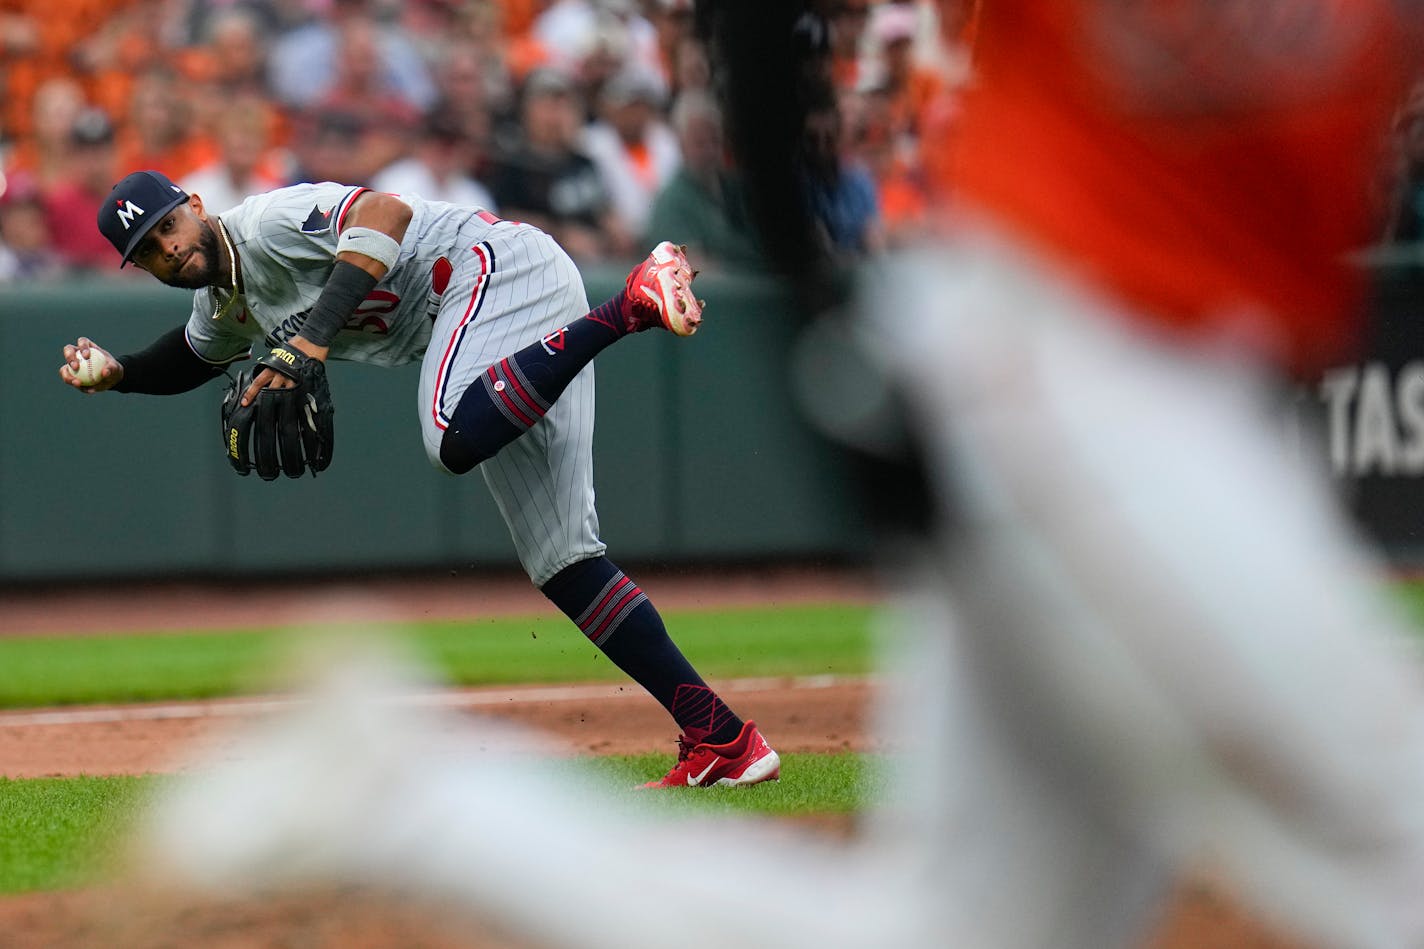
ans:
x=345 y=289
x=167 y=367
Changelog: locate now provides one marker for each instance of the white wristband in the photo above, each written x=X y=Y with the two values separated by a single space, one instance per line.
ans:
x=371 y=243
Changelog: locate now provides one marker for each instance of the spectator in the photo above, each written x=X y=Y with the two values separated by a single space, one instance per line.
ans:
x=908 y=87
x=120 y=46
x=303 y=63
x=673 y=21
x=603 y=54
x=26 y=251
x=560 y=28
x=514 y=46
x=198 y=20
x=901 y=187
x=429 y=24
x=470 y=89
x=542 y=177
x=327 y=146
x=847 y=22
x=902 y=117
x=38 y=41
x=44 y=156
x=635 y=151
x=70 y=204
x=840 y=191
x=360 y=88
x=19 y=34
x=703 y=205
x=236 y=47
x=437 y=169
x=691 y=67
x=482 y=31
x=159 y=131
x=247 y=164
x=566 y=28
x=230 y=65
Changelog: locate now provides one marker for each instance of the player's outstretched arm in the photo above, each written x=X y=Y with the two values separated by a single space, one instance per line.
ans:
x=88 y=367
x=168 y=366
x=366 y=251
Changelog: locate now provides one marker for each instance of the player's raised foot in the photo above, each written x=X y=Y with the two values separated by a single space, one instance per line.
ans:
x=746 y=759
x=660 y=293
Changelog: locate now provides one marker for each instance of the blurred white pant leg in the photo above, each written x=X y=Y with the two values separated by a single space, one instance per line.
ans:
x=999 y=852
x=1167 y=619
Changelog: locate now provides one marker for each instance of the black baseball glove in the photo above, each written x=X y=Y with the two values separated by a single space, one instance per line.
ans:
x=284 y=431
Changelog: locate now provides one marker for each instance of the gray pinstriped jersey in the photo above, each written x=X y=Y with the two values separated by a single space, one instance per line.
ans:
x=500 y=287
x=286 y=244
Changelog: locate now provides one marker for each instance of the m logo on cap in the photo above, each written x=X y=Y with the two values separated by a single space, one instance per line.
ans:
x=134 y=206
x=127 y=211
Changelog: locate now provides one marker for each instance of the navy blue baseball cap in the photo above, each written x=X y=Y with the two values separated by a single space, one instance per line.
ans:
x=136 y=204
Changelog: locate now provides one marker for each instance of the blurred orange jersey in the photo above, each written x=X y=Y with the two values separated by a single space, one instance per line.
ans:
x=1208 y=162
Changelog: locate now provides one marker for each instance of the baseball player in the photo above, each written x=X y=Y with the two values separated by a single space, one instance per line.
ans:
x=496 y=312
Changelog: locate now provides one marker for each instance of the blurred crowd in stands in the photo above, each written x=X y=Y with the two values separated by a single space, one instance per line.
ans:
x=594 y=119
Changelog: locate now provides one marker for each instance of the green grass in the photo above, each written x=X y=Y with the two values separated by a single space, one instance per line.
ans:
x=58 y=832
x=802 y=640
x=1410 y=595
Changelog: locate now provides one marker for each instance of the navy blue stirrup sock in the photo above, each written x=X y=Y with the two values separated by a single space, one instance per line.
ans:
x=517 y=390
x=617 y=616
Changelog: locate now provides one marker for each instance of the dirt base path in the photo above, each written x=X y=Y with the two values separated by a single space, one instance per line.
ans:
x=799 y=715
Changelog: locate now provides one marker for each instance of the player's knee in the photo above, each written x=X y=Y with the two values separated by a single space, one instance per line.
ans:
x=460 y=455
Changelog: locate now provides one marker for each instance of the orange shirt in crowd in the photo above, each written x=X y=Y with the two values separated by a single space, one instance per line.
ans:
x=1200 y=160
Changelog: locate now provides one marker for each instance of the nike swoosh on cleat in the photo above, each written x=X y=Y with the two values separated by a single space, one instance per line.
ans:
x=692 y=782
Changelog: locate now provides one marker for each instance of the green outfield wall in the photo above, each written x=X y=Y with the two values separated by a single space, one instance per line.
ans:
x=700 y=455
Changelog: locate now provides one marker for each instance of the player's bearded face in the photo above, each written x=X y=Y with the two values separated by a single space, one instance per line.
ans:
x=201 y=268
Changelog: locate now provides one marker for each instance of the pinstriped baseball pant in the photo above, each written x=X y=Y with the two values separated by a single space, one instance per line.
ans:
x=512 y=287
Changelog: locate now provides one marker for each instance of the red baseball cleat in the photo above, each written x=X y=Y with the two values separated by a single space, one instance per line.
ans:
x=660 y=293
x=747 y=759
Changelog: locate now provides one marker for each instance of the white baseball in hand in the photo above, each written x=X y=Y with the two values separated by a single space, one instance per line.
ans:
x=91 y=368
